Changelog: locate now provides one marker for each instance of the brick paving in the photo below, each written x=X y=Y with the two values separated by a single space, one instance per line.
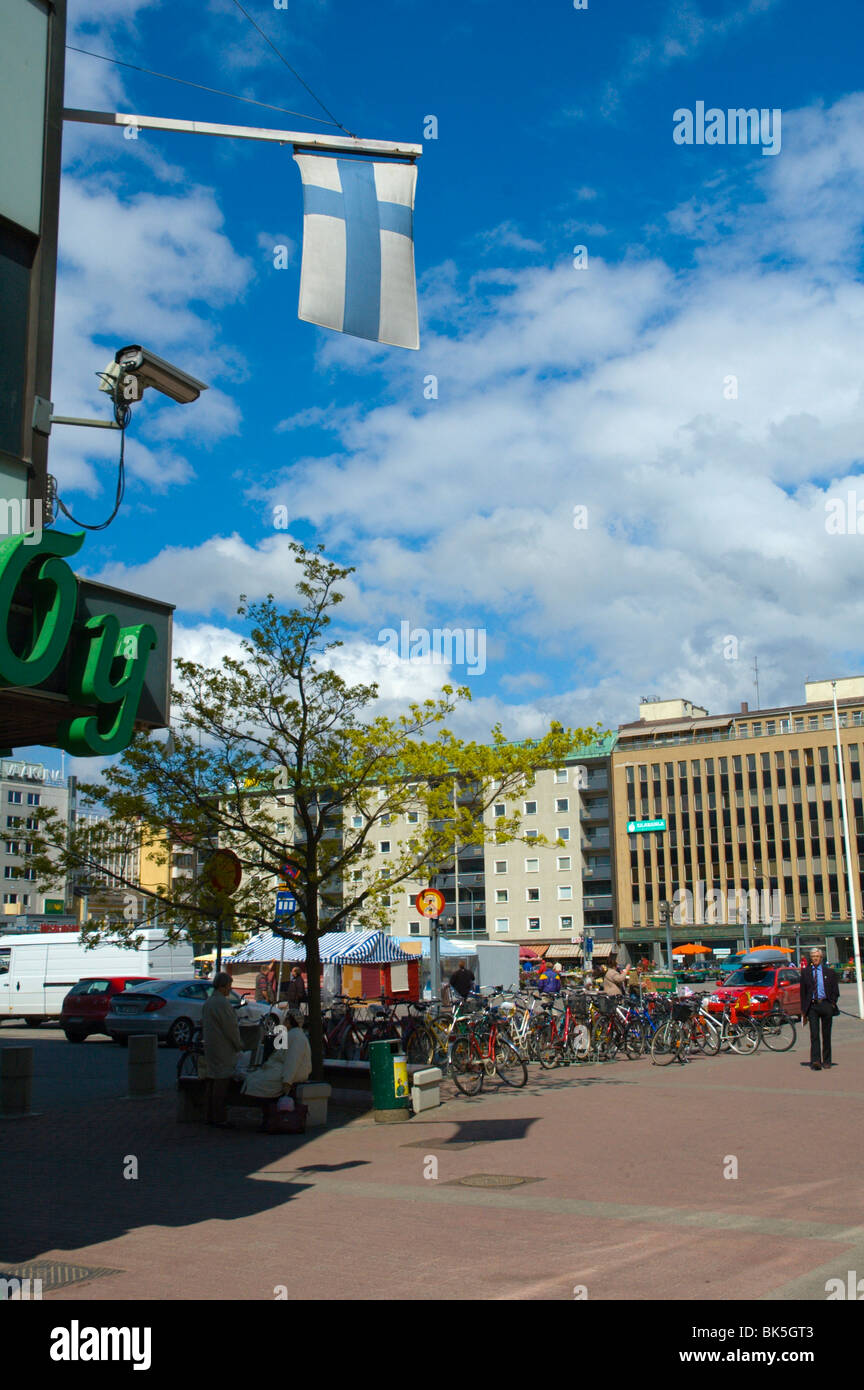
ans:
x=626 y=1194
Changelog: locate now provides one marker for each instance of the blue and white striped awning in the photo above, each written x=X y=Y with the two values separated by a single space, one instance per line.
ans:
x=335 y=947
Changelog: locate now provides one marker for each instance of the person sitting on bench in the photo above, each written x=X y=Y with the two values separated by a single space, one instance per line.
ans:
x=284 y=1065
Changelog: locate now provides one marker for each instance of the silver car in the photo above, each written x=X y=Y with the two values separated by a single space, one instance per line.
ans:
x=170 y=1009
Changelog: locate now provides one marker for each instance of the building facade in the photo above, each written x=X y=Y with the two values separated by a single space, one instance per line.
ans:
x=25 y=788
x=751 y=845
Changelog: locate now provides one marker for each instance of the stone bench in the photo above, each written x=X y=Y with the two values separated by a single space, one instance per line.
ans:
x=192 y=1100
x=426 y=1088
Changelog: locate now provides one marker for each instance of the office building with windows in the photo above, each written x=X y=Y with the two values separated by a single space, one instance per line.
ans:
x=751 y=845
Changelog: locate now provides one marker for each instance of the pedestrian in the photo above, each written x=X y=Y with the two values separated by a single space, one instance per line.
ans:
x=614 y=980
x=221 y=1046
x=295 y=992
x=549 y=980
x=462 y=980
x=284 y=1065
x=262 y=987
x=820 y=990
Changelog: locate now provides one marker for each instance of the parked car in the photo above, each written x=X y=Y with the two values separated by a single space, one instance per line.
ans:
x=169 y=1009
x=86 y=1005
x=773 y=984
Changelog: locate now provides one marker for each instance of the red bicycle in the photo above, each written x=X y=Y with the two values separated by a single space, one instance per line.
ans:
x=480 y=1051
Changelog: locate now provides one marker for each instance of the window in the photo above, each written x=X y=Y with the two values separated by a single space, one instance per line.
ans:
x=562 y=804
x=502 y=895
x=530 y=808
x=560 y=774
x=357 y=822
x=413 y=928
x=533 y=923
x=532 y=895
x=383 y=873
x=10 y=872
x=500 y=808
x=11 y=846
x=14 y=797
x=502 y=923
x=384 y=846
x=500 y=866
x=563 y=832
x=565 y=923
x=10 y=897
x=563 y=863
x=413 y=817
x=532 y=866
x=565 y=892
x=33 y=798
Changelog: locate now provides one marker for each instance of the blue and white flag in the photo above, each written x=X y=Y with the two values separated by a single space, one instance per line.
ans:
x=358 y=248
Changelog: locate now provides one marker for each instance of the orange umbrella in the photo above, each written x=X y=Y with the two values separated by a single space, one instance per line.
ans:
x=787 y=950
x=691 y=950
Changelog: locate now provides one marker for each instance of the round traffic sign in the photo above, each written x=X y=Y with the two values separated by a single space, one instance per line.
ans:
x=223 y=872
x=430 y=902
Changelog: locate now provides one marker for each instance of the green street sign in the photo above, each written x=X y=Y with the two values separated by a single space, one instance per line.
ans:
x=641 y=827
x=54 y=907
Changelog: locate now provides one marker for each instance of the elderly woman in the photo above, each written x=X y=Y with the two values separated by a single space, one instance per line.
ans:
x=289 y=1063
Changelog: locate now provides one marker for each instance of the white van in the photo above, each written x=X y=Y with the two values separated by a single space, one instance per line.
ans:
x=37 y=970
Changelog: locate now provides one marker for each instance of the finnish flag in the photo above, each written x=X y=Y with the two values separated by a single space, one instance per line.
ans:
x=357 y=274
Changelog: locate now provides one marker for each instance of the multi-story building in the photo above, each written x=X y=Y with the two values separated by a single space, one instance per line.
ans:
x=751 y=845
x=25 y=787
x=546 y=894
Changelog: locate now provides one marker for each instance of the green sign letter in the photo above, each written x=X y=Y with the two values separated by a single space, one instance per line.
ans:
x=55 y=594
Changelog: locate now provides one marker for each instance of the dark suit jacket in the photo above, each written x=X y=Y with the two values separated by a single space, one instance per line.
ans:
x=808 y=986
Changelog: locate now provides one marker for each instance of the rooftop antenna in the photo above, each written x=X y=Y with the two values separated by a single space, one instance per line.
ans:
x=756 y=678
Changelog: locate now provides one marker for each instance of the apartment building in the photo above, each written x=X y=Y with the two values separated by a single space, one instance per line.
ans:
x=749 y=844
x=25 y=787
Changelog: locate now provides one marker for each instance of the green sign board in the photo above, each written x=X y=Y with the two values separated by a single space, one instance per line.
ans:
x=54 y=907
x=49 y=633
x=640 y=827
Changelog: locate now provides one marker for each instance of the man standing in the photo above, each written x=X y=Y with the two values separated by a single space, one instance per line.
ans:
x=221 y=1045
x=615 y=980
x=462 y=980
x=820 y=990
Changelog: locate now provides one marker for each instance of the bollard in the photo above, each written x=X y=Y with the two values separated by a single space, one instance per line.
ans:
x=142 y=1064
x=16 y=1080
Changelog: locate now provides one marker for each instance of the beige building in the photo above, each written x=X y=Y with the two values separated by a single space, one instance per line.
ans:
x=751 y=823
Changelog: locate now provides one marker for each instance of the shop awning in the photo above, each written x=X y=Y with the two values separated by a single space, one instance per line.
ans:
x=570 y=952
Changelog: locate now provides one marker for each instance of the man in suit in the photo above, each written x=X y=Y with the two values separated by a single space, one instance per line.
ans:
x=820 y=990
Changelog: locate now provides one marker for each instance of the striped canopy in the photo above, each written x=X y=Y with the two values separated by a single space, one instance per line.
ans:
x=335 y=947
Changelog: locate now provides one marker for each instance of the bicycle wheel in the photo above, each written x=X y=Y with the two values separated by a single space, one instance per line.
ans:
x=465 y=1068
x=705 y=1037
x=663 y=1044
x=418 y=1049
x=187 y=1064
x=744 y=1038
x=509 y=1066
x=605 y=1041
x=635 y=1040
x=778 y=1032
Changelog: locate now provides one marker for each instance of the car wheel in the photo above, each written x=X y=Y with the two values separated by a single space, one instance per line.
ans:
x=119 y=1038
x=73 y=1035
x=32 y=1021
x=180 y=1033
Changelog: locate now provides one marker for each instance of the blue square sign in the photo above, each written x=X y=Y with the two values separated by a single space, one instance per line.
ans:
x=286 y=904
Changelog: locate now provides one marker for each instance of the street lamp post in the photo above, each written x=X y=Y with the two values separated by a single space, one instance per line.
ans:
x=666 y=918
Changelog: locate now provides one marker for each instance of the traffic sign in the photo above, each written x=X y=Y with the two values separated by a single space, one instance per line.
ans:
x=286 y=904
x=430 y=902
x=223 y=872
x=640 y=827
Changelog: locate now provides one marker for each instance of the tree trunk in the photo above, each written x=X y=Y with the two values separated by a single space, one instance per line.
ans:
x=313 y=989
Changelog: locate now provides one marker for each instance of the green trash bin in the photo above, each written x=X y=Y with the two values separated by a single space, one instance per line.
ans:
x=391 y=1092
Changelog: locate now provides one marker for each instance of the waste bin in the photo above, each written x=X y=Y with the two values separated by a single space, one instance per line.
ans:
x=391 y=1092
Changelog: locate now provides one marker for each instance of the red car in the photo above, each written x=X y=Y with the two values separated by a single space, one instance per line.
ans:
x=773 y=984
x=87 y=1003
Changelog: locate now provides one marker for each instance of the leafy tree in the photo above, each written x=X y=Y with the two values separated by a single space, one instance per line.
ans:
x=276 y=756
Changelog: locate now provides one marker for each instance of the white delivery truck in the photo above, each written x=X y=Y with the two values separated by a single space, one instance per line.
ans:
x=37 y=970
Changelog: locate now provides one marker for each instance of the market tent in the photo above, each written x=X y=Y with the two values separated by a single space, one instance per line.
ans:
x=528 y=953
x=691 y=950
x=335 y=948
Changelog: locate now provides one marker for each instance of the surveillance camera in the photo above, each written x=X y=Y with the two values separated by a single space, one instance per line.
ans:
x=149 y=370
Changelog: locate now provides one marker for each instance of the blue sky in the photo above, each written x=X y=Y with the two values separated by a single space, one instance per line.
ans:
x=557 y=387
